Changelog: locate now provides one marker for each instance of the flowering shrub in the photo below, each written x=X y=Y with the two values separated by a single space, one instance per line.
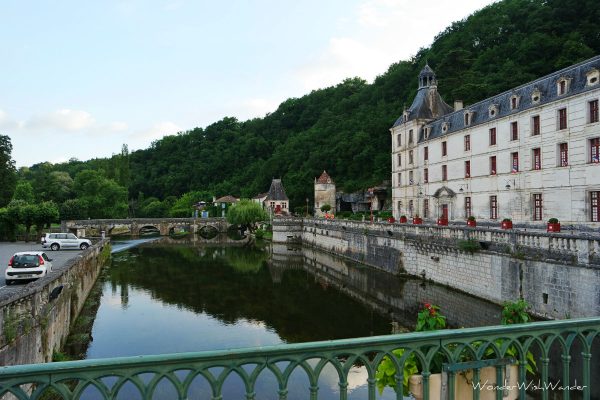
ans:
x=428 y=319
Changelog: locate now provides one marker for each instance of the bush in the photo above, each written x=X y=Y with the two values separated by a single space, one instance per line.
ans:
x=470 y=245
x=553 y=221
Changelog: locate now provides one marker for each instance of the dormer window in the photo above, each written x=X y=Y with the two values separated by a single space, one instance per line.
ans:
x=445 y=127
x=426 y=132
x=562 y=86
x=593 y=77
x=405 y=116
x=514 y=101
x=469 y=117
x=493 y=110
x=536 y=96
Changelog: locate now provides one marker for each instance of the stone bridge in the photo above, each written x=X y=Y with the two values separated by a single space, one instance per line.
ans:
x=134 y=226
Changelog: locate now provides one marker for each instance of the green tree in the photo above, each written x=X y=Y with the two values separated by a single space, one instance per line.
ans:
x=247 y=214
x=184 y=206
x=104 y=197
x=45 y=213
x=8 y=172
x=325 y=208
x=73 y=209
x=24 y=191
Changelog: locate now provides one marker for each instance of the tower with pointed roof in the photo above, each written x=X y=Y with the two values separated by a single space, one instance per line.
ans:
x=406 y=133
x=324 y=193
x=277 y=201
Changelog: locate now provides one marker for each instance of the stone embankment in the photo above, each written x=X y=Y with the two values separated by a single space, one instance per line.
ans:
x=35 y=321
x=558 y=274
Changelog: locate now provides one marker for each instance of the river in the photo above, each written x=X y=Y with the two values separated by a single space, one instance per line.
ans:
x=167 y=297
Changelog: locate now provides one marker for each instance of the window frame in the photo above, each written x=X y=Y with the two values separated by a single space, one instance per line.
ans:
x=536 y=128
x=493 y=165
x=561 y=115
x=444 y=172
x=444 y=149
x=493 y=207
x=493 y=137
x=467 y=142
x=468 y=207
x=467 y=168
x=536 y=159
x=514 y=131
x=514 y=162
x=538 y=210
x=425 y=175
x=426 y=153
x=563 y=154
x=593 y=112
x=595 y=206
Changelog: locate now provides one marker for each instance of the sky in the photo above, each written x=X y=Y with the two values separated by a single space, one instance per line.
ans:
x=78 y=79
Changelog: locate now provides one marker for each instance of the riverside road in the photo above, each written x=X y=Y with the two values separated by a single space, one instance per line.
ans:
x=59 y=259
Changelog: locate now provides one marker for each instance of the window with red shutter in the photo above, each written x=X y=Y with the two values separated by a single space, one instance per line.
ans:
x=492 y=136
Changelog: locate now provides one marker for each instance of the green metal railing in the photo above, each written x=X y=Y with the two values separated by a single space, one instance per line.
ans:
x=553 y=342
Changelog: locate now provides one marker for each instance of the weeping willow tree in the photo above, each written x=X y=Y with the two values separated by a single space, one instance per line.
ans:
x=246 y=213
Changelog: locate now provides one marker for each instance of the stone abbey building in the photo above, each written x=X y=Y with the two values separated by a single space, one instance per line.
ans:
x=528 y=154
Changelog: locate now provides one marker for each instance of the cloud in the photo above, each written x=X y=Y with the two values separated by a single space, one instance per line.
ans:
x=6 y=122
x=117 y=126
x=382 y=32
x=62 y=120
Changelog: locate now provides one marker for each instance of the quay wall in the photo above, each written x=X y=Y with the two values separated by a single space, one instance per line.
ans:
x=557 y=274
x=35 y=322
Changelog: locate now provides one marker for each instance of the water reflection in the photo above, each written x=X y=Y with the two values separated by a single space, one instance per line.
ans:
x=167 y=297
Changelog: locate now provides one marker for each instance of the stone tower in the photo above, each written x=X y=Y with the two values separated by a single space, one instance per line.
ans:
x=324 y=193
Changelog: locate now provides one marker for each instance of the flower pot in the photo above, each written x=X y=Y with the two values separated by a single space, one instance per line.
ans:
x=442 y=221
x=553 y=227
x=391 y=220
x=417 y=221
x=472 y=223
x=403 y=219
x=506 y=225
x=463 y=385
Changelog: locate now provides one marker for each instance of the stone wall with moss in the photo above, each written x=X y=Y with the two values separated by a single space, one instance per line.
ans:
x=35 y=322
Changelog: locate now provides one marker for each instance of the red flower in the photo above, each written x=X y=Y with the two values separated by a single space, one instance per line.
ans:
x=427 y=305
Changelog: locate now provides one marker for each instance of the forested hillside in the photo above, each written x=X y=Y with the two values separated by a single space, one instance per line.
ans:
x=345 y=129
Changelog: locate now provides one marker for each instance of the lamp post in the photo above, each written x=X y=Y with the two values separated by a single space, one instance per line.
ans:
x=307 y=207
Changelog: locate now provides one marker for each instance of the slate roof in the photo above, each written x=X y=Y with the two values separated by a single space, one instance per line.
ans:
x=546 y=86
x=427 y=104
x=226 y=199
x=276 y=191
x=325 y=178
x=260 y=196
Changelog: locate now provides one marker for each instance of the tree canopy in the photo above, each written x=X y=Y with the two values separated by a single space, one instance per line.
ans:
x=343 y=128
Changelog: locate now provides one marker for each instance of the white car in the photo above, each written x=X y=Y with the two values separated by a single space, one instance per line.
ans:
x=57 y=241
x=27 y=265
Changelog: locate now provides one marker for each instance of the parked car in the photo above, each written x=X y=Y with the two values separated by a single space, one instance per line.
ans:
x=57 y=241
x=27 y=265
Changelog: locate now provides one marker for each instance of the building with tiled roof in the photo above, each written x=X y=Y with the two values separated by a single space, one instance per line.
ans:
x=277 y=201
x=226 y=199
x=325 y=193
x=528 y=154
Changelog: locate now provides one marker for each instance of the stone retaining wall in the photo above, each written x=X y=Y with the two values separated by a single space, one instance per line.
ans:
x=557 y=274
x=35 y=322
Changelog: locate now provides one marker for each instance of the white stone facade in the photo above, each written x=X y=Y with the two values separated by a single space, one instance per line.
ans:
x=534 y=174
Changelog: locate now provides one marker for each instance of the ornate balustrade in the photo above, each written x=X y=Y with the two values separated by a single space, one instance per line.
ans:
x=584 y=248
x=553 y=342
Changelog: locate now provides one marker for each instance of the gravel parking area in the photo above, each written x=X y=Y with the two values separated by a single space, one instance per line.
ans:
x=7 y=249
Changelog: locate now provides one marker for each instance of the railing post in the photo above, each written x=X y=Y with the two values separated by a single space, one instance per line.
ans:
x=587 y=357
x=566 y=361
x=583 y=251
x=545 y=364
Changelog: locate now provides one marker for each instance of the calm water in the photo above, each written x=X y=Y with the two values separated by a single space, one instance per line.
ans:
x=166 y=298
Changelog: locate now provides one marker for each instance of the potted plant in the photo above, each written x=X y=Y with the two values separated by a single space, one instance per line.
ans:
x=403 y=219
x=553 y=225
x=471 y=221
x=429 y=318
x=442 y=221
x=417 y=220
x=506 y=223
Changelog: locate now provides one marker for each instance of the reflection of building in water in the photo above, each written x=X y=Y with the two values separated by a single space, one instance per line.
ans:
x=387 y=294
x=124 y=295
x=284 y=257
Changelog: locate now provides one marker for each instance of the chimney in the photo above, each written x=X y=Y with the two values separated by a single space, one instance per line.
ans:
x=458 y=105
